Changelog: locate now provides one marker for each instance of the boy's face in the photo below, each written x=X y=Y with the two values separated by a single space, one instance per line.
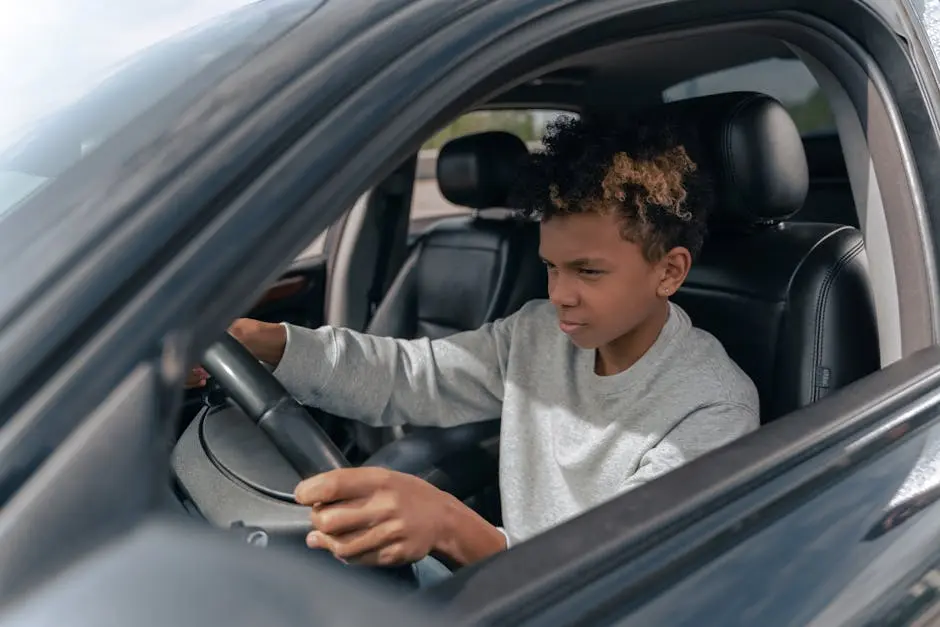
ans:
x=602 y=286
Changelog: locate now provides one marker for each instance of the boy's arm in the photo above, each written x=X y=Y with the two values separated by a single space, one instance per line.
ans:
x=703 y=430
x=383 y=381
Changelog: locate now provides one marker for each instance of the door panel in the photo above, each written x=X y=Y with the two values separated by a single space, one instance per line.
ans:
x=172 y=573
x=820 y=518
x=284 y=289
x=83 y=495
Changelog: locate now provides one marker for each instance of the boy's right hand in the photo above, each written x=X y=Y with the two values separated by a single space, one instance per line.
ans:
x=265 y=340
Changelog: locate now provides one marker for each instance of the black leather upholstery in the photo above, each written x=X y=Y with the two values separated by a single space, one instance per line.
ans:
x=753 y=150
x=467 y=270
x=478 y=170
x=463 y=272
x=791 y=302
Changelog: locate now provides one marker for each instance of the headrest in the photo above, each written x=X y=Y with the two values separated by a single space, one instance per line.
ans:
x=479 y=170
x=753 y=149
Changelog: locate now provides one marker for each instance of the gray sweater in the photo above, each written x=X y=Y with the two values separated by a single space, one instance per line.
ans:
x=570 y=439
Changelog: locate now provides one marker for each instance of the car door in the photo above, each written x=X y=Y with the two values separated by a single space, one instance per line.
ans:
x=831 y=530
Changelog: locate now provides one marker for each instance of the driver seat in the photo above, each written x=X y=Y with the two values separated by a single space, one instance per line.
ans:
x=790 y=301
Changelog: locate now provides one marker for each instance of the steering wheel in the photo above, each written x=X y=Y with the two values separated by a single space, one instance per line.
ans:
x=292 y=430
x=290 y=427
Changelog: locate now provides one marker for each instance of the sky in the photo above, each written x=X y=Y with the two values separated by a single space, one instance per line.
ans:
x=932 y=23
x=53 y=51
x=787 y=80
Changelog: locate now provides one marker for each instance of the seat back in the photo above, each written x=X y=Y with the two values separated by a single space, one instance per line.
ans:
x=791 y=302
x=466 y=270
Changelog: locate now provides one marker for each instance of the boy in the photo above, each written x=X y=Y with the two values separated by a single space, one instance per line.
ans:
x=601 y=388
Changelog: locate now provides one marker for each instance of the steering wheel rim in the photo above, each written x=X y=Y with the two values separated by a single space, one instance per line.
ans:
x=288 y=425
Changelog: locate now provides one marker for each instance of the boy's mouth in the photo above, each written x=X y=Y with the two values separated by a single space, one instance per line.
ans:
x=569 y=327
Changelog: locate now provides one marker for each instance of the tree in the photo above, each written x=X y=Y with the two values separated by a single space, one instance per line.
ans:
x=813 y=114
x=519 y=123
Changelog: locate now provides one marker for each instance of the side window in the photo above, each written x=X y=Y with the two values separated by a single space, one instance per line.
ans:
x=787 y=80
x=528 y=124
x=427 y=204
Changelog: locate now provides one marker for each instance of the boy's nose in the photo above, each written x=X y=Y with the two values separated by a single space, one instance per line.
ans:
x=562 y=295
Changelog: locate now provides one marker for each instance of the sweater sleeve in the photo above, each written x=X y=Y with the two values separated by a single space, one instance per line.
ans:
x=703 y=430
x=383 y=381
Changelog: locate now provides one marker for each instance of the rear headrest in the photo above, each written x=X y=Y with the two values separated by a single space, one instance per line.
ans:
x=752 y=147
x=478 y=170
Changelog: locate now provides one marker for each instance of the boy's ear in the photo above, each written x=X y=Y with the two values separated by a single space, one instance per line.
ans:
x=674 y=266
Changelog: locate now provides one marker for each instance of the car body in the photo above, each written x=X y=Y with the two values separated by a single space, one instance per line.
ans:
x=124 y=263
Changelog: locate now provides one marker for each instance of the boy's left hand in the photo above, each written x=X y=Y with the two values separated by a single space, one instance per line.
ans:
x=374 y=516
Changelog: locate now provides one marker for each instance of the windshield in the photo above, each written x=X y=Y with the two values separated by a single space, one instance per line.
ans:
x=74 y=73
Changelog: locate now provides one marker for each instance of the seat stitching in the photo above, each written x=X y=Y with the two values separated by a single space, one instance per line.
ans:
x=829 y=280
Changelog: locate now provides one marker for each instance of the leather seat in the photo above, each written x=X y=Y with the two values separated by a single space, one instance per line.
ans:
x=791 y=302
x=463 y=272
x=467 y=270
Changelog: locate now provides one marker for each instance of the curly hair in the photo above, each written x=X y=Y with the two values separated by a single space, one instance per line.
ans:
x=641 y=173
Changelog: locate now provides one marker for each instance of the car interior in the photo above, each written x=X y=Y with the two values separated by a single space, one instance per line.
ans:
x=783 y=280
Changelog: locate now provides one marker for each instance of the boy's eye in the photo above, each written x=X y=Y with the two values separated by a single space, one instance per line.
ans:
x=585 y=272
